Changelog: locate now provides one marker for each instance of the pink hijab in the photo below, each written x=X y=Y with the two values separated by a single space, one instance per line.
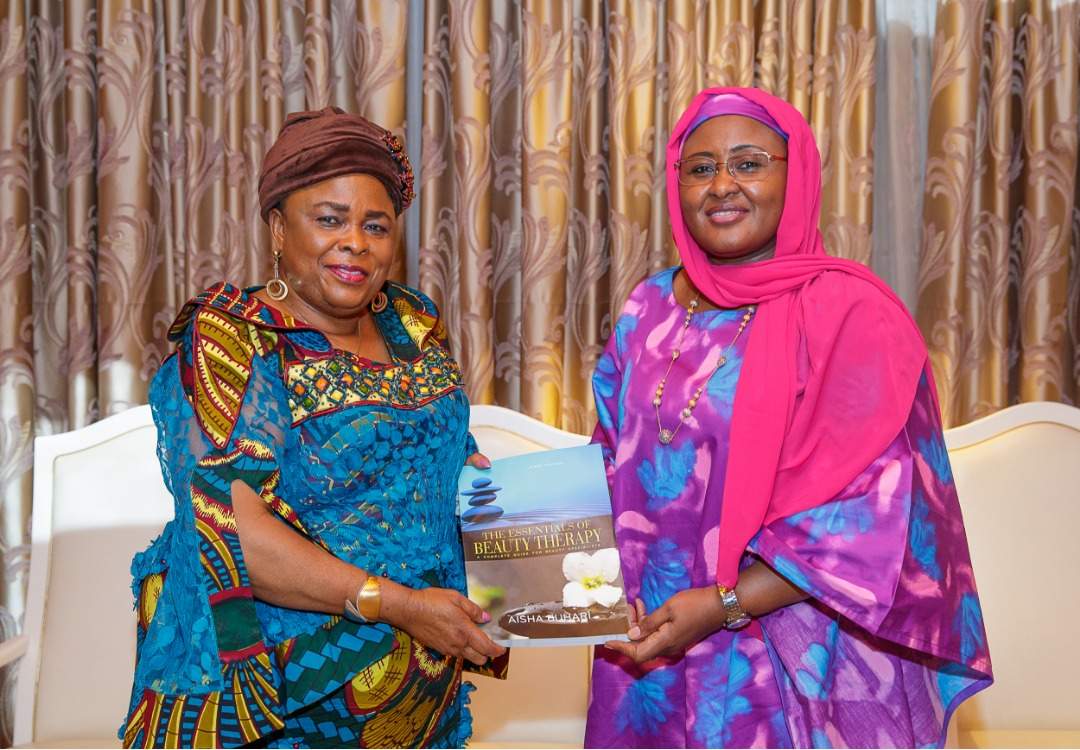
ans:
x=795 y=445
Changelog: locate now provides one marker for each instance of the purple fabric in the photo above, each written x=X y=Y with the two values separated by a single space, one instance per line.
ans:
x=733 y=104
x=892 y=638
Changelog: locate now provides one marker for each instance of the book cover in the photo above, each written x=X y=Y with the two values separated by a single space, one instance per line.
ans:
x=540 y=551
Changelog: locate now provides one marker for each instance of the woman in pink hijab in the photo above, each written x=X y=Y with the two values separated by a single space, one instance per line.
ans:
x=783 y=501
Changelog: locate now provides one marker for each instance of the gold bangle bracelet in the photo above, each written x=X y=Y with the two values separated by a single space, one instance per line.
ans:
x=369 y=598
x=368 y=601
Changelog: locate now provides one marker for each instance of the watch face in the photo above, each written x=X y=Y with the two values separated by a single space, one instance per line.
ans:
x=736 y=617
x=740 y=622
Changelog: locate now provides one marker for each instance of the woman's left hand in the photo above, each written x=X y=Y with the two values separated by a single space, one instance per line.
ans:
x=478 y=461
x=680 y=622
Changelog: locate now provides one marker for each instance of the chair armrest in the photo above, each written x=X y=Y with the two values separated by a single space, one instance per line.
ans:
x=12 y=649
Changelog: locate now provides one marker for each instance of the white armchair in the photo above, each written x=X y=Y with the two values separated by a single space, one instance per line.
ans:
x=99 y=497
x=1018 y=476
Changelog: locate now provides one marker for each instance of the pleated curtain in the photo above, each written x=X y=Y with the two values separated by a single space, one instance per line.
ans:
x=999 y=272
x=542 y=195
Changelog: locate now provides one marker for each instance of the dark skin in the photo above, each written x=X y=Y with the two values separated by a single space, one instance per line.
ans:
x=337 y=240
x=733 y=223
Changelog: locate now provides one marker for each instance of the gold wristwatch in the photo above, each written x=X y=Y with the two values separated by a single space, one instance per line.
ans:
x=736 y=617
x=368 y=602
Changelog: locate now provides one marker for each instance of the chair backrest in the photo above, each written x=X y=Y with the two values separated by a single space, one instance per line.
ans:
x=98 y=498
x=1018 y=477
x=546 y=696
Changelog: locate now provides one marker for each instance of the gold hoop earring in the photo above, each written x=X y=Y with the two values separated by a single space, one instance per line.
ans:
x=379 y=303
x=276 y=288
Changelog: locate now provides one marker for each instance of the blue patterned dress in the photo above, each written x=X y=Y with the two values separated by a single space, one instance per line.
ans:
x=362 y=459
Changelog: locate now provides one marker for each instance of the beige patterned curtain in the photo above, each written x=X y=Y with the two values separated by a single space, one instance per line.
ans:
x=542 y=191
x=131 y=137
x=999 y=281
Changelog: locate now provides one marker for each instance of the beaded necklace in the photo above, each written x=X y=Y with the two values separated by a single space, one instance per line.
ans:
x=664 y=435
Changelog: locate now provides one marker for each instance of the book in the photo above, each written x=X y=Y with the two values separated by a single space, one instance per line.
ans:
x=540 y=553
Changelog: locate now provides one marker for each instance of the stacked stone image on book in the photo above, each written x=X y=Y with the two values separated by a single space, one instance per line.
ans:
x=481 y=498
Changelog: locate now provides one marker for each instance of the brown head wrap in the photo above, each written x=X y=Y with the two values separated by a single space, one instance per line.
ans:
x=315 y=146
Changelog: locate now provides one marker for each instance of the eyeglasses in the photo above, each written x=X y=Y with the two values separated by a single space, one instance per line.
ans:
x=746 y=166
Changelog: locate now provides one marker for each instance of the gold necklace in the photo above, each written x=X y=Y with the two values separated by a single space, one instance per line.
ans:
x=664 y=435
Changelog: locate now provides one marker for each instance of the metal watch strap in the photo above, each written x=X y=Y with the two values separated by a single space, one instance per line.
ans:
x=735 y=616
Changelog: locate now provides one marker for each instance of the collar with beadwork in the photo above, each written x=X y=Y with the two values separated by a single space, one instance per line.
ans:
x=415 y=312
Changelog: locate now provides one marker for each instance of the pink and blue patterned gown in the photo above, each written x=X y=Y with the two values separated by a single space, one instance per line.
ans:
x=891 y=639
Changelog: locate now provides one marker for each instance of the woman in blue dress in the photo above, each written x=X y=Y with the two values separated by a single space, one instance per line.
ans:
x=309 y=591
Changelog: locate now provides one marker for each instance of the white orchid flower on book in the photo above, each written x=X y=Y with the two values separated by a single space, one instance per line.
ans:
x=590 y=577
